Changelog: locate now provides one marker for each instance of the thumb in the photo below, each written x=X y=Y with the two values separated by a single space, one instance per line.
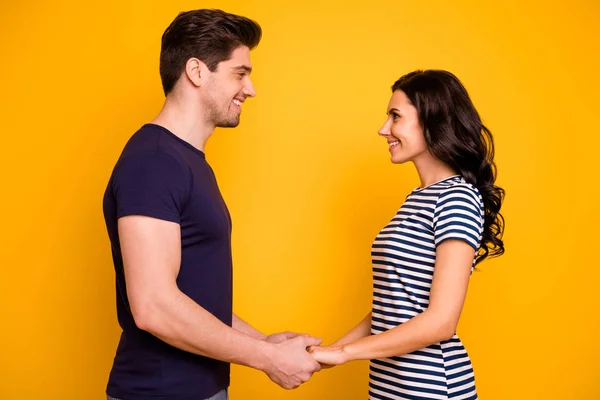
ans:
x=312 y=349
x=312 y=341
x=290 y=335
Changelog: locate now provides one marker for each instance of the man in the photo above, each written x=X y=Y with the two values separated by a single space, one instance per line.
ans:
x=170 y=230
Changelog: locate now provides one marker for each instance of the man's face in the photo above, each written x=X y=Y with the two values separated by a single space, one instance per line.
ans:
x=227 y=89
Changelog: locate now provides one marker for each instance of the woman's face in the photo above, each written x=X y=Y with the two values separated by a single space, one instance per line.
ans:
x=403 y=131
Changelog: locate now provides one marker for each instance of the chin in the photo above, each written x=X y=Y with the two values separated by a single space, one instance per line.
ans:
x=229 y=124
x=399 y=160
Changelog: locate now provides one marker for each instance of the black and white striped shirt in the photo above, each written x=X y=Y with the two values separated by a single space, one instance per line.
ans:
x=403 y=257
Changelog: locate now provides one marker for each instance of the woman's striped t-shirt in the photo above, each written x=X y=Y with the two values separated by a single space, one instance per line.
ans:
x=403 y=257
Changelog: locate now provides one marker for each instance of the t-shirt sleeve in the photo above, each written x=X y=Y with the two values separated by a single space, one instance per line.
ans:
x=459 y=215
x=154 y=184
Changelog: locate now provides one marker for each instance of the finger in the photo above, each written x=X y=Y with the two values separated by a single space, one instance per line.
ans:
x=297 y=382
x=317 y=366
x=312 y=341
x=290 y=384
x=320 y=359
x=316 y=338
x=305 y=377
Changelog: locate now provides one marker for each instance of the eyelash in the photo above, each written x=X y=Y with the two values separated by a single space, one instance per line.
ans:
x=395 y=115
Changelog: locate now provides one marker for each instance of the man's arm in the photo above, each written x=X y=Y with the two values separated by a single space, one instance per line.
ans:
x=242 y=326
x=151 y=250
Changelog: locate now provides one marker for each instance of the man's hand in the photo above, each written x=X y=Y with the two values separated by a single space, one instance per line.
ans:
x=291 y=365
x=283 y=336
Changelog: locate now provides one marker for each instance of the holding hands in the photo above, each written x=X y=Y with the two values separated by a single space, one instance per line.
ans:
x=290 y=365
x=296 y=357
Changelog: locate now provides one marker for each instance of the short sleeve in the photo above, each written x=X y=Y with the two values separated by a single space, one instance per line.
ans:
x=459 y=215
x=153 y=184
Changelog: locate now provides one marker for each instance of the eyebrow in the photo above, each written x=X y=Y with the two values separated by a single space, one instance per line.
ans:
x=244 y=67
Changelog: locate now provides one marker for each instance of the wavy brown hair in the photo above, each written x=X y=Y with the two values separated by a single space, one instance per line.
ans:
x=455 y=135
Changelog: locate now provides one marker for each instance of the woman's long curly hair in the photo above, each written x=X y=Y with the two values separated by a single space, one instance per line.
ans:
x=455 y=135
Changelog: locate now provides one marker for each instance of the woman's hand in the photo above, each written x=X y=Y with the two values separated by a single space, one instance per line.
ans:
x=329 y=356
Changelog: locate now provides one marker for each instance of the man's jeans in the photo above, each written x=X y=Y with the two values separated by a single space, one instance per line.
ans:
x=222 y=395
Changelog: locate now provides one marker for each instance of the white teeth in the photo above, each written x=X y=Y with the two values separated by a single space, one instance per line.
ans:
x=237 y=103
x=393 y=144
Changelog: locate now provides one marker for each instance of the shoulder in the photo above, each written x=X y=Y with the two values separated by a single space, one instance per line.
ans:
x=461 y=192
x=149 y=149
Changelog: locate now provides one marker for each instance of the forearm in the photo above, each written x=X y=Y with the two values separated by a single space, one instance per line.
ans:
x=363 y=329
x=179 y=321
x=417 y=333
x=244 y=327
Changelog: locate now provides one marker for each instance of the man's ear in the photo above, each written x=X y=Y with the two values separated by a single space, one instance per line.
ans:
x=196 y=71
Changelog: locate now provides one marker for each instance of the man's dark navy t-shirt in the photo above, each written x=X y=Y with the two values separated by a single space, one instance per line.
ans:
x=162 y=176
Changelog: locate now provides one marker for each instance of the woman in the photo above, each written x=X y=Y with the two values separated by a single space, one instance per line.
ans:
x=423 y=259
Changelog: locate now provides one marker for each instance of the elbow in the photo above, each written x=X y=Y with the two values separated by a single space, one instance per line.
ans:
x=442 y=325
x=446 y=330
x=150 y=309
x=142 y=321
x=145 y=316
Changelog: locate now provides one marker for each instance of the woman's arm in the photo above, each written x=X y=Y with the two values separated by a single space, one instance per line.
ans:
x=454 y=259
x=363 y=329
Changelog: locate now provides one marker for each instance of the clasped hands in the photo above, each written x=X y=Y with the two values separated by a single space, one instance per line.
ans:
x=296 y=357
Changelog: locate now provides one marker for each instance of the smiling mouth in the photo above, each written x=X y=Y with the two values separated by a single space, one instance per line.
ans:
x=393 y=144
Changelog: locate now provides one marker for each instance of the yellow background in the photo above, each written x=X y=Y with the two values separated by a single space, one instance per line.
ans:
x=307 y=180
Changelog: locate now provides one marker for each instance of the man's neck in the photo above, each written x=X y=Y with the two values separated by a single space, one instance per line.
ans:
x=183 y=120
